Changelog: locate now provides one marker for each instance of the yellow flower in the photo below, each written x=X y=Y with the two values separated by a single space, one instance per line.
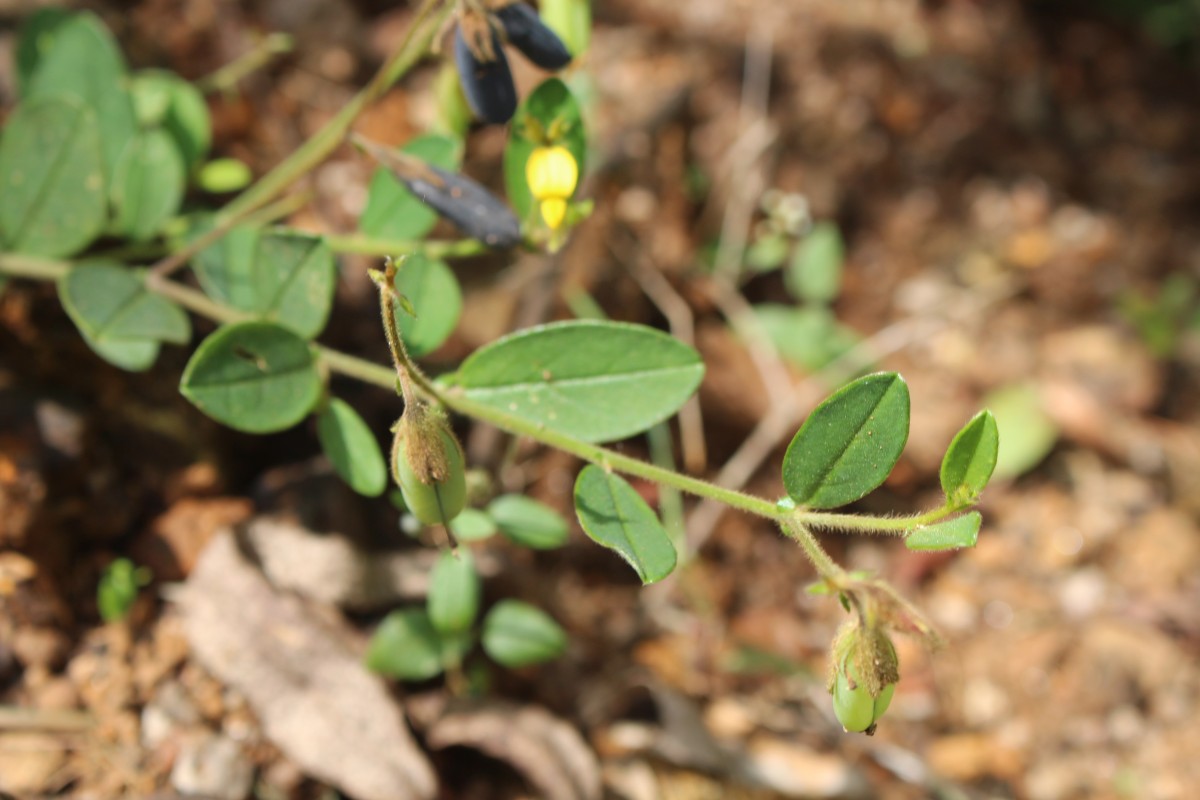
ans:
x=552 y=173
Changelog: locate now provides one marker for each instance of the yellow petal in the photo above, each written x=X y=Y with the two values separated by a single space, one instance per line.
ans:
x=551 y=172
x=553 y=211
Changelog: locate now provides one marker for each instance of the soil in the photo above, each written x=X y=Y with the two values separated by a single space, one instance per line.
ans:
x=1013 y=181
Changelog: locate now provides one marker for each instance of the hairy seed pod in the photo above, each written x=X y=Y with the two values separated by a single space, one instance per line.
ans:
x=532 y=37
x=487 y=85
x=433 y=499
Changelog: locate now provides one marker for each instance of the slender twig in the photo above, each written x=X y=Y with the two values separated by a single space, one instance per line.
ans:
x=371 y=246
x=425 y=26
x=225 y=78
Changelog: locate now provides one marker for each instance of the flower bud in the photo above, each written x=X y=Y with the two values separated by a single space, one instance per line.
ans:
x=427 y=463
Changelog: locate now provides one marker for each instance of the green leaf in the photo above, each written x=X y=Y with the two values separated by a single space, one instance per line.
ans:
x=162 y=98
x=37 y=36
x=431 y=288
x=118 y=589
x=571 y=20
x=53 y=199
x=850 y=443
x=528 y=522
x=84 y=62
x=352 y=448
x=549 y=116
x=279 y=275
x=148 y=185
x=1027 y=434
x=393 y=212
x=222 y=175
x=118 y=318
x=516 y=634
x=948 y=535
x=810 y=337
x=815 y=273
x=615 y=516
x=969 y=461
x=767 y=252
x=473 y=525
x=454 y=591
x=405 y=646
x=595 y=381
x=253 y=376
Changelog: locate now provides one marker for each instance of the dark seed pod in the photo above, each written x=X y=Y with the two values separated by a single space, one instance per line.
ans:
x=532 y=37
x=471 y=208
x=488 y=85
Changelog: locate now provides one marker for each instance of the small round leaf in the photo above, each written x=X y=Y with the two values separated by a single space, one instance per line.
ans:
x=351 y=447
x=454 y=591
x=405 y=646
x=516 y=634
x=615 y=516
x=528 y=522
x=253 y=376
x=431 y=288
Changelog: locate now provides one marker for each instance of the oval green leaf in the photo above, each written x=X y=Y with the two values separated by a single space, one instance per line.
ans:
x=949 y=535
x=35 y=40
x=549 y=116
x=595 y=381
x=615 y=516
x=969 y=461
x=280 y=275
x=84 y=62
x=454 y=592
x=850 y=443
x=118 y=318
x=405 y=646
x=516 y=634
x=53 y=199
x=253 y=376
x=393 y=212
x=528 y=522
x=809 y=336
x=1027 y=434
x=473 y=525
x=434 y=293
x=815 y=273
x=351 y=447
x=148 y=186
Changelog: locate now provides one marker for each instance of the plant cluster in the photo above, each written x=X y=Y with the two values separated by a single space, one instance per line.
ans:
x=96 y=153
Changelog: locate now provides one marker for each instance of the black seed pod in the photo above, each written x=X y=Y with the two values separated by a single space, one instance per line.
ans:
x=473 y=209
x=488 y=85
x=530 y=35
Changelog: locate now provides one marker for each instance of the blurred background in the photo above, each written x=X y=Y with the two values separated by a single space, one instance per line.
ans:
x=998 y=199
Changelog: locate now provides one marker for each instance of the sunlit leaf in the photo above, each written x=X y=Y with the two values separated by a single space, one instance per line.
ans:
x=516 y=634
x=948 y=535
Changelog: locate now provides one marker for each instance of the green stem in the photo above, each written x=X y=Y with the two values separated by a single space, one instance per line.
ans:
x=896 y=526
x=420 y=35
x=33 y=267
x=227 y=77
x=370 y=246
x=793 y=528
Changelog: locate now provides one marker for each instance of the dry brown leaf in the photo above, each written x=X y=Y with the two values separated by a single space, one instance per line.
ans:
x=551 y=754
x=315 y=699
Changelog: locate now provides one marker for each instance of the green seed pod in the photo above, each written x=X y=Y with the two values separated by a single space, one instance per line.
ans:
x=427 y=463
x=854 y=707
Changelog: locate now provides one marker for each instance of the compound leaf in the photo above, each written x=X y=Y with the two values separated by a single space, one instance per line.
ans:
x=615 y=516
x=256 y=377
x=850 y=443
x=596 y=381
